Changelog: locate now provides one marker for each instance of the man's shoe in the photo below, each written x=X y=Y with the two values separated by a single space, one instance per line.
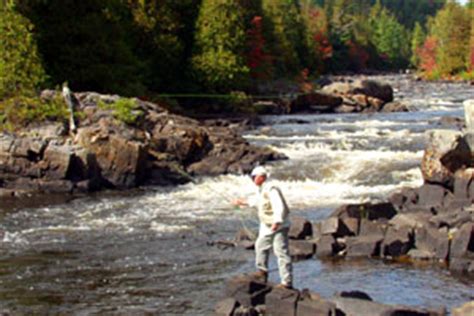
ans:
x=260 y=275
x=284 y=286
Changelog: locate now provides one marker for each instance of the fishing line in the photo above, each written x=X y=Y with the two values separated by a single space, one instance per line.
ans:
x=226 y=197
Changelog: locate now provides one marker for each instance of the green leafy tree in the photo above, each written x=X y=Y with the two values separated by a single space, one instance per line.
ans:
x=218 y=61
x=389 y=37
x=162 y=35
x=285 y=34
x=451 y=28
x=418 y=38
x=408 y=12
x=21 y=70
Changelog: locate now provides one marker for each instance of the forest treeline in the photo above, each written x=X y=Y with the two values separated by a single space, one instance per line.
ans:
x=144 y=47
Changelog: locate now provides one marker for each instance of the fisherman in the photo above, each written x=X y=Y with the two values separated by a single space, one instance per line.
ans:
x=274 y=226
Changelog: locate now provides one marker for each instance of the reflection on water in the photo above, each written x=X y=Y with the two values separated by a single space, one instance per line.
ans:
x=146 y=250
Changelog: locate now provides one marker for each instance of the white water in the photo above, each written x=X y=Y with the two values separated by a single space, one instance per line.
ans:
x=145 y=249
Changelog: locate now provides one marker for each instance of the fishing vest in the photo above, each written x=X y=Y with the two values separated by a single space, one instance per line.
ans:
x=265 y=211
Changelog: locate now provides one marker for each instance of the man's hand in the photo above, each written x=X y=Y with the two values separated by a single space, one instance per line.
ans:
x=275 y=227
x=240 y=202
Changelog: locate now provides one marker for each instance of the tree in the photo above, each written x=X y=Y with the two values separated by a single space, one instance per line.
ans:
x=316 y=37
x=451 y=28
x=218 y=61
x=162 y=36
x=21 y=70
x=86 y=43
x=281 y=21
x=427 y=55
x=388 y=37
x=418 y=38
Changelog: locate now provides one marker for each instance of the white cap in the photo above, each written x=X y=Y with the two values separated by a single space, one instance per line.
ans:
x=259 y=171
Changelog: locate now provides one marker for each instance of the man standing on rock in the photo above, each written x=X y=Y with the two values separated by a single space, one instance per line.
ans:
x=274 y=226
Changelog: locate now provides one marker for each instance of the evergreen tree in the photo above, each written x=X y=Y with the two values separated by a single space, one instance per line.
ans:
x=389 y=37
x=281 y=18
x=87 y=43
x=408 y=12
x=161 y=40
x=218 y=61
x=451 y=28
x=418 y=38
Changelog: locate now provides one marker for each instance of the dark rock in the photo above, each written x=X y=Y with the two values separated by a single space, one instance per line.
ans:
x=301 y=249
x=364 y=246
x=463 y=241
x=351 y=225
x=454 y=218
x=246 y=290
x=404 y=200
x=300 y=228
x=326 y=246
x=226 y=307
x=368 y=210
x=335 y=227
x=282 y=302
x=357 y=307
x=412 y=311
x=397 y=242
x=122 y=162
x=355 y=294
x=305 y=101
x=57 y=161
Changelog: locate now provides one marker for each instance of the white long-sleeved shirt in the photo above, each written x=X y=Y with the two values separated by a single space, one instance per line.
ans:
x=277 y=204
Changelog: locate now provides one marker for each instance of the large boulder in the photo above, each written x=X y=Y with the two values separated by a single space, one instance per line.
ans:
x=365 y=87
x=447 y=151
x=122 y=161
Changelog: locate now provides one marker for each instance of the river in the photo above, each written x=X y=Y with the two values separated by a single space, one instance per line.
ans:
x=146 y=250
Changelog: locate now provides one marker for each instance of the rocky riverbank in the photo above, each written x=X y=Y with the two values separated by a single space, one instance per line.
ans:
x=158 y=148
x=248 y=296
x=343 y=95
x=429 y=225
x=103 y=152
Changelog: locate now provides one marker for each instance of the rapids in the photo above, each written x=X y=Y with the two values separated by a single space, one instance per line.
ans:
x=145 y=250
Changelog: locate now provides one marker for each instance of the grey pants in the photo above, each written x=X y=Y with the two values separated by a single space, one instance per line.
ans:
x=279 y=242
